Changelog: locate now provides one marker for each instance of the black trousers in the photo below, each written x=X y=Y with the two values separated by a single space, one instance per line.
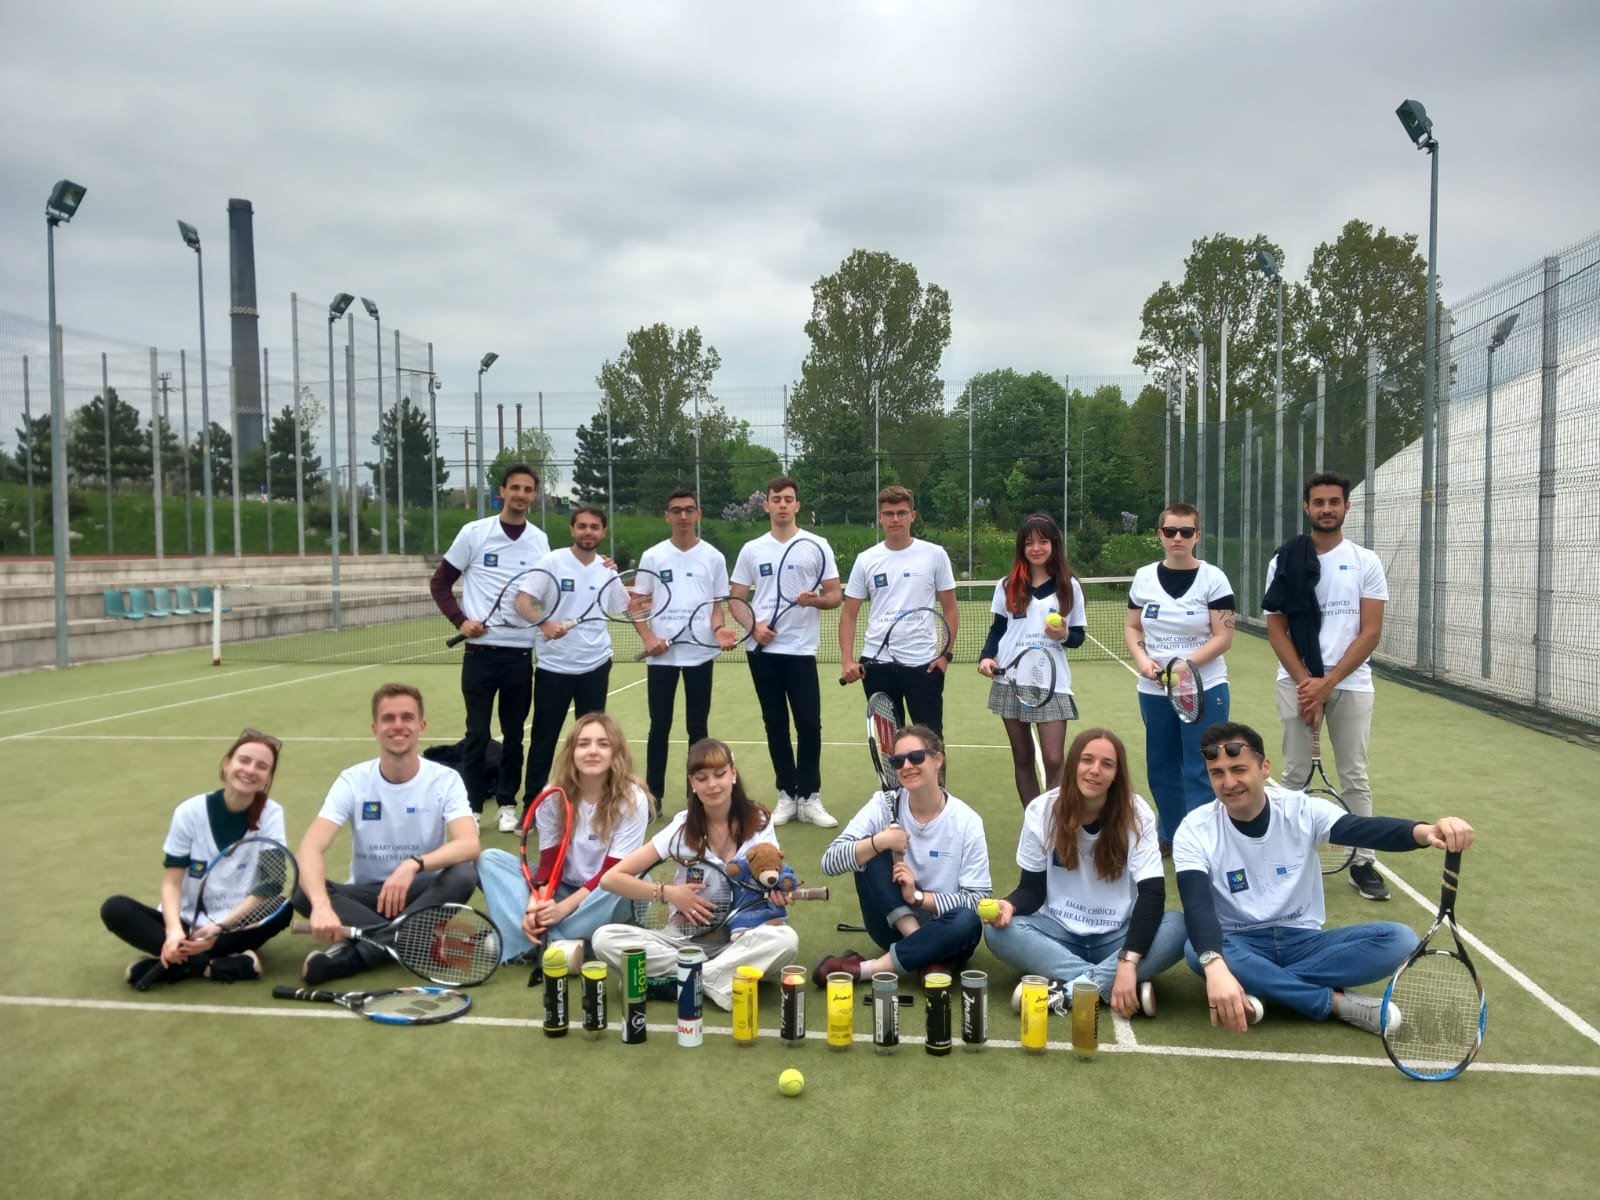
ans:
x=661 y=686
x=553 y=694
x=357 y=903
x=487 y=672
x=145 y=929
x=785 y=684
x=916 y=690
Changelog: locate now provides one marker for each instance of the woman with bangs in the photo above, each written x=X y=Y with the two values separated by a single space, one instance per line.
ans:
x=610 y=810
x=202 y=827
x=719 y=823
x=1090 y=903
x=1040 y=585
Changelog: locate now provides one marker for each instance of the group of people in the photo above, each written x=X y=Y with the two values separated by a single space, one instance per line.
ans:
x=1090 y=900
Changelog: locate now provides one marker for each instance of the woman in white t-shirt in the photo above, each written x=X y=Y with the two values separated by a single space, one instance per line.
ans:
x=1039 y=587
x=720 y=823
x=1179 y=607
x=610 y=810
x=1090 y=903
x=202 y=827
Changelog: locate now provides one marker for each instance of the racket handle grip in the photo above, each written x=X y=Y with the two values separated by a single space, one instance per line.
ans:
x=293 y=993
x=455 y=641
x=809 y=893
x=304 y=926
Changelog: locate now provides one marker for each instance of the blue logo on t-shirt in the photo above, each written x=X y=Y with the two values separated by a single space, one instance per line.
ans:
x=1152 y=611
x=666 y=574
x=491 y=560
x=765 y=570
x=197 y=869
x=567 y=586
x=372 y=810
x=933 y=854
x=880 y=580
x=1237 y=881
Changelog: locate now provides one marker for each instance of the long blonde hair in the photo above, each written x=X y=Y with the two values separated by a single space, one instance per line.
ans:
x=620 y=780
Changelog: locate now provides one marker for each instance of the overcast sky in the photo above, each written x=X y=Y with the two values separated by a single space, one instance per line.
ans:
x=538 y=179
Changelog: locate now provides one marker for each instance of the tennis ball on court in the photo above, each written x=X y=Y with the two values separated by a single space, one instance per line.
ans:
x=1053 y=620
x=791 y=1082
x=988 y=908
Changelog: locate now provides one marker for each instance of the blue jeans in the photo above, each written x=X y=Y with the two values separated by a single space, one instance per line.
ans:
x=1302 y=968
x=1172 y=762
x=1038 y=945
x=500 y=876
x=948 y=940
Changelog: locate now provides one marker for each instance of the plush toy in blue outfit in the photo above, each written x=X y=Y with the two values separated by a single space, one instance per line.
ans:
x=765 y=869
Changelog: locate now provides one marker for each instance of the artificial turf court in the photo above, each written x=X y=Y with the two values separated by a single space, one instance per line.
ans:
x=206 y=1090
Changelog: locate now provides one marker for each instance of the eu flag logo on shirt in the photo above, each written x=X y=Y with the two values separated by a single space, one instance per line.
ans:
x=1237 y=881
x=372 y=810
x=491 y=560
x=568 y=586
x=880 y=580
x=666 y=574
x=1152 y=611
x=197 y=869
x=933 y=854
x=765 y=570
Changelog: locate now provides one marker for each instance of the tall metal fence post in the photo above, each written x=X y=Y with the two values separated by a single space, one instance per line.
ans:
x=1441 y=508
x=27 y=423
x=1369 y=488
x=1244 y=504
x=433 y=451
x=155 y=452
x=1549 y=361
x=352 y=500
x=402 y=406
x=1322 y=415
x=105 y=404
x=1222 y=450
x=233 y=456
x=294 y=408
x=266 y=438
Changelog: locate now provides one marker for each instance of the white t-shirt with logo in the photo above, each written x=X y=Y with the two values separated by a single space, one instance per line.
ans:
x=1175 y=627
x=1027 y=631
x=487 y=560
x=587 y=852
x=798 y=629
x=947 y=854
x=190 y=836
x=717 y=891
x=1257 y=883
x=389 y=822
x=587 y=646
x=1350 y=574
x=897 y=580
x=1079 y=900
x=692 y=576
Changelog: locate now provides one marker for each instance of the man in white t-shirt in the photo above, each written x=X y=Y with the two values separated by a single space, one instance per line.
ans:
x=783 y=663
x=1324 y=604
x=1251 y=885
x=696 y=572
x=497 y=659
x=898 y=574
x=413 y=840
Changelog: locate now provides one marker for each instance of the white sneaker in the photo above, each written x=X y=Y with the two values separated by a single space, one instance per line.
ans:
x=1367 y=1012
x=508 y=818
x=812 y=812
x=784 y=811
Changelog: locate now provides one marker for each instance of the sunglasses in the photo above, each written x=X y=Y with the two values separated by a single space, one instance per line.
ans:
x=1234 y=749
x=247 y=734
x=1179 y=531
x=915 y=757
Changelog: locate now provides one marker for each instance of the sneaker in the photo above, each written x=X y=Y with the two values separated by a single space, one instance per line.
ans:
x=784 y=811
x=665 y=988
x=142 y=972
x=932 y=969
x=1366 y=1012
x=1147 y=998
x=1365 y=879
x=231 y=968
x=336 y=962
x=812 y=812
x=849 y=963
x=508 y=818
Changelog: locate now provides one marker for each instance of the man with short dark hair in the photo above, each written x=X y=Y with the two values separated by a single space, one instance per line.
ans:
x=1251 y=884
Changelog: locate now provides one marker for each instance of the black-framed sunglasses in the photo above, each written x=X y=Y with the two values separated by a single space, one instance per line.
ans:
x=1234 y=749
x=247 y=734
x=915 y=757
x=1179 y=531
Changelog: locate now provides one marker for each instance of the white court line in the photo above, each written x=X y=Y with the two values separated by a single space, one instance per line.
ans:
x=6 y=712
x=1528 y=985
x=313 y=1012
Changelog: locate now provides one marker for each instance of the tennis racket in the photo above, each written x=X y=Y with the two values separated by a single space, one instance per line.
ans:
x=396 y=1006
x=799 y=571
x=882 y=721
x=719 y=624
x=914 y=639
x=729 y=897
x=451 y=944
x=1334 y=858
x=541 y=585
x=1185 y=692
x=1434 y=1009
x=1031 y=676
x=625 y=599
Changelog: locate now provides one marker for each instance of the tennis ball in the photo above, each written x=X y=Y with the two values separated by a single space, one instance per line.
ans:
x=988 y=908
x=791 y=1082
x=1053 y=620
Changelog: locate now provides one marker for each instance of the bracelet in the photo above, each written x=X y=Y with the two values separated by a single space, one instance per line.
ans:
x=417 y=858
x=873 y=842
x=661 y=893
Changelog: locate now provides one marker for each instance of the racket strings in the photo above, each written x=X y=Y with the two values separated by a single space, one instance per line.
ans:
x=800 y=570
x=1033 y=678
x=737 y=616
x=458 y=948
x=247 y=886
x=417 y=1005
x=1440 y=1007
x=620 y=602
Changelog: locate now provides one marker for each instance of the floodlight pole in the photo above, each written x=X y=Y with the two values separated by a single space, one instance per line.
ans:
x=335 y=311
x=383 y=474
x=1487 y=586
x=487 y=362
x=53 y=216
x=1269 y=267
x=191 y=238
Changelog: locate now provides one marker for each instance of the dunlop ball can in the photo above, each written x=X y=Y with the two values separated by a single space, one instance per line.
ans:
x=633 y=974
x=841 y=1011
x=974 y=1010
x=555 y=992
x=886 y=1012
x=1085 y=1020
x=746 y=1016
x=1035 y=1013
x=937 y=1041
x=691 y=1011
x=594 y=1000
x=792 y=1005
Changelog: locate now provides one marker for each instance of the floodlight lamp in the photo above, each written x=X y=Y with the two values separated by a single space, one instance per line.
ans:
x=64 y=200
x=1195 y=335
x=372 y=309
x=1503 y=331
x=1418 y=125
x=340 y=302
x=1267 y=264
x=191 y=236
x=489 y=360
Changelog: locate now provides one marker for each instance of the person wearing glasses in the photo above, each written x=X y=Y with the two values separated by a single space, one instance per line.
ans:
x=900 y=573
x=413 y=841
x=1251 y=885
x=918 y=878
x=1179 y=607
x=202 y=827
x=696 y=572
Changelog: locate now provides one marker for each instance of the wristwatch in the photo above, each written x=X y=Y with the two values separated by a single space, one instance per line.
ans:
x=916 y=897
x=1209 y=957
x=1128 y=956
x=417 y=858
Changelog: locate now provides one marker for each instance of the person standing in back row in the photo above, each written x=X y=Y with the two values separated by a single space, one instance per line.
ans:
x=498 y=659
x=1324 y=604
x=900 y=573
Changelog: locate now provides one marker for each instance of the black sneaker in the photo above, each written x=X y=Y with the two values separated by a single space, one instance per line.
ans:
x=230 y=968
x=336 y=962
x=1365 y=879
x=665 y=988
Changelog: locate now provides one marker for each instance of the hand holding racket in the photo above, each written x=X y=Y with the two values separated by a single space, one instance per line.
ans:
x=394 y=1006
x=1334 y=858
x=543 y=592
x=248 y=884
x=916 y=639
x=452 y=944
x=696 y=900
x=624 y=599
x=546 y=834
x=882 y=722
x=719 y=624
x=1185 y=692
x=1031 y=676
x=797 y=579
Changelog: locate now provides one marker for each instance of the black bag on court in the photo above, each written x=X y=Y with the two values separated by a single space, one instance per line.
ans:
x=451 y=756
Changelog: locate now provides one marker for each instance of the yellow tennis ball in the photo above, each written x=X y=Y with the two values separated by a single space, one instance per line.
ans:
x=791 y=1082
x=988 y=908
x=1053 y=620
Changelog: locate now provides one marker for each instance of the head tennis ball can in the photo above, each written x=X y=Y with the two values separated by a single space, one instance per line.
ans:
x=792 y=1005
x=937 y=1041
x=691 y=1012
x=594 y=999
x=555 y=992
x=841 y=1011
x=974 y=1010
x=1035 y=1013
x=886 y=1012
x=746 y=1017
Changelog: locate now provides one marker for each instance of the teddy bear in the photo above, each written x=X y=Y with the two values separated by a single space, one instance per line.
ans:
x=762 y=868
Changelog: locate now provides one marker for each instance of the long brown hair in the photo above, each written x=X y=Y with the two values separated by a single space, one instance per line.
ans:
x=620 y=779
x=745 y=816
x=252 y=815
x=1117 y=819
x=1019 y=584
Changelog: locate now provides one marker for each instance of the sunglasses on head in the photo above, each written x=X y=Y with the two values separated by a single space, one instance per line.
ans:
x=248 y=734
x=915 y=757
x=1179 y=531
x=1234 y=749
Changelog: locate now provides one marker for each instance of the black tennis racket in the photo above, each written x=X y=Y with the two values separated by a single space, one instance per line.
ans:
x=882 y=722
x=718 y=624
x=799 y=572
x=1185 y=692
x=452 y=944
x=395 y=1006
x=544 y=592
x=1434 y=1009
x=914 y=639
x=1031 y=675
x=624 y=599
x=729 y=897
x=1333 y=857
